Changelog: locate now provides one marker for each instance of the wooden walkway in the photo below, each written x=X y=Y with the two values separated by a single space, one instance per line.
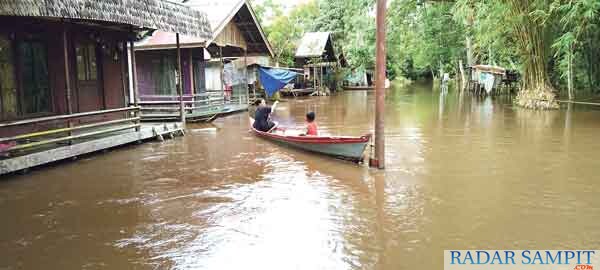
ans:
x=197 y=115
x=90 y=145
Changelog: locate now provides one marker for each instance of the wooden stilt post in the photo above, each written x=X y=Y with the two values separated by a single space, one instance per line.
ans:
x=315 y=79
x=191 y=72
x=246 y=76
x=318 y=76
x=321 y=76
x=379 y=160
x=179 y=72
x=221 y=73
x=134 y=82
x=254 y=84
x=68 y=89
x=125 y=85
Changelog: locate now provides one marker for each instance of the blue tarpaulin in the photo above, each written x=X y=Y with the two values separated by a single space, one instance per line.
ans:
x=274 y=79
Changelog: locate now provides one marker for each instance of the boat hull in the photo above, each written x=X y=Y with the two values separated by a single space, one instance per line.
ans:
x=348 y=148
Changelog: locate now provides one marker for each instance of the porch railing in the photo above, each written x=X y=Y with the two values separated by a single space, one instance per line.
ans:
x=28 y=141
x=204 y=105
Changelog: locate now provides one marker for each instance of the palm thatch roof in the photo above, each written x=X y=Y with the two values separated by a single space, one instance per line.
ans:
x=144 y=14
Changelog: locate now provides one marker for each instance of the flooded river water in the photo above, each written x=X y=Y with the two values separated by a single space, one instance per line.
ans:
x=462 y=173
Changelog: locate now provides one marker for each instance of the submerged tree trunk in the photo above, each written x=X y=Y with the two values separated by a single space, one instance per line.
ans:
x=468 y=39
x=469 y=45
x=463 y=78
x=590 y=65
x=536 y=90
x=570 y=73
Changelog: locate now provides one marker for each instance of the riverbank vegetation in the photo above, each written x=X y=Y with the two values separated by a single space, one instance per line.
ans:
x=554 y=44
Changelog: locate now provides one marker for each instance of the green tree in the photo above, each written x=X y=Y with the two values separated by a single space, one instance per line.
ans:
x=285 y=31
x=554 y=43
x=578 y=20
x=424 y=37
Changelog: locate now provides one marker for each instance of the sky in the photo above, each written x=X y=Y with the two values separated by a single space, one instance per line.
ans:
x=287 y=4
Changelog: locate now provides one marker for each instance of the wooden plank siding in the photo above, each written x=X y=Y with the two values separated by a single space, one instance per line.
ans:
x=231 y=36
x=49 y=33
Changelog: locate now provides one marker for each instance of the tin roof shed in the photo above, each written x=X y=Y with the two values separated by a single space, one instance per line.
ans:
x=315 y=44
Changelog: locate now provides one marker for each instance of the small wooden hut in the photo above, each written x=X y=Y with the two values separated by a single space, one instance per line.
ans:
x=316 y=55
x=213 y=83
x=64 y=84
x=488 y=80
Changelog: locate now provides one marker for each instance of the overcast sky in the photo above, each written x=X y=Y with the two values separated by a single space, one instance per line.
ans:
x=287 y=3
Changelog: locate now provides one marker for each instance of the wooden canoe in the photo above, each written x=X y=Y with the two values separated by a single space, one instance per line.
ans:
x=343 y=147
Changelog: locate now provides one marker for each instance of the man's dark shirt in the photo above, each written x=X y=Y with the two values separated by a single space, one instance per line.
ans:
x=261 y=119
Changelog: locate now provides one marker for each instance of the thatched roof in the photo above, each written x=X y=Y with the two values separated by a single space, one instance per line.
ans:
x=146 y=14
x=220 y=14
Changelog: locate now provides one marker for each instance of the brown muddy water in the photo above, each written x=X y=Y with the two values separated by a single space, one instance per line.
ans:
x=462 y=173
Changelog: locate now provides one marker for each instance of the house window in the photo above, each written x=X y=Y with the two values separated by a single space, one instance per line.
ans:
x=87 y=69
x=35 y=95
x=163 y=75
x=8 y=83
x=24 y=80
x=199 y=76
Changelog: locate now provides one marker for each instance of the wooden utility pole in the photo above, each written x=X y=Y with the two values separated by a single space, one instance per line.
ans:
x=379 y=159
x=179 y=72
x=68 y=90
x=246 y=76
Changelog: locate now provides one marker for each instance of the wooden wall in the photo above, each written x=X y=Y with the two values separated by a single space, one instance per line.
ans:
x=51 y=34
x=231 y=36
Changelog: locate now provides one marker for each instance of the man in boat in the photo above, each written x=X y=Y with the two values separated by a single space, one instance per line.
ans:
x=262 y=121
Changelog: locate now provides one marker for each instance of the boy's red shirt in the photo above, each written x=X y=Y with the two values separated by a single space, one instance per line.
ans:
x=311 y=129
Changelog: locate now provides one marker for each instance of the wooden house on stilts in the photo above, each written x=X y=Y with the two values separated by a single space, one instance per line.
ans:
x=316 y=55
x=64 y=80
x=213 y=69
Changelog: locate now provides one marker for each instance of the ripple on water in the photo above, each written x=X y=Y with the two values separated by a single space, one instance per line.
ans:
x=155 y=158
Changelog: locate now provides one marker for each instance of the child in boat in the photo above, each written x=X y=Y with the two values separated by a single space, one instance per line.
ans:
x=311 y=126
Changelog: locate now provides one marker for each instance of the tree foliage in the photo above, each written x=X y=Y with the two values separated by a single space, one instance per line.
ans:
x=285 y=30
x=551 y=42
